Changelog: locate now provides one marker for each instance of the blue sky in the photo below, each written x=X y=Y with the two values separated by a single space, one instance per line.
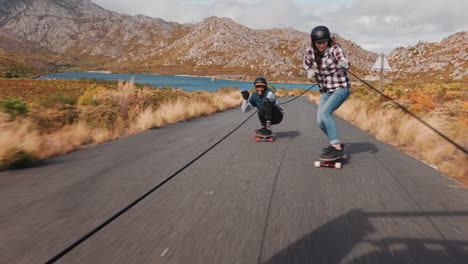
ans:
x=375 y=25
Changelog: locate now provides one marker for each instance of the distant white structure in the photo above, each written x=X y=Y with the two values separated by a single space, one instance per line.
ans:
x=381 y=65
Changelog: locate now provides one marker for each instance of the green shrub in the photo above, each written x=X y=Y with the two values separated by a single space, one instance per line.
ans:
x=20 y=159
x=56 y=99
x=88 y=97
x=398 y=93
x=441 y=92
x=100 y=116
x=53 y=118
x=453 y=86
x=14 y=106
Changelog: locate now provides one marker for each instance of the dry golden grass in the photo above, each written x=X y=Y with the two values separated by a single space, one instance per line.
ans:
x=124 y=96
x=182 y=108
x=392 y=126
x=146 y=120
x=174 y=111
x=68 y=138
x=292 y=92
x=106 y=114
x=17 y=139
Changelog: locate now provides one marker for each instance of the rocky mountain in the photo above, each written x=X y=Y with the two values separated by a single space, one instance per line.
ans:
x=88 y=37
x=107 y=40
x=20 y=57
x=447 y=59
x=79 y=26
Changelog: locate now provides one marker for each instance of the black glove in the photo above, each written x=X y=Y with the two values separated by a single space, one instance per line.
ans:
x=245 y=94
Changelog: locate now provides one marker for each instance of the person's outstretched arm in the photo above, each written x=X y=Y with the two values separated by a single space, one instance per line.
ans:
x=246 y=105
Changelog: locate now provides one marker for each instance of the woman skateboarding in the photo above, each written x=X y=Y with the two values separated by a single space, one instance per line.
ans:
x=326 y=62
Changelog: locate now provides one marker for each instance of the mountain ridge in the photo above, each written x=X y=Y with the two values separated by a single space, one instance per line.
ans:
x=447 y=59
x=98 y=39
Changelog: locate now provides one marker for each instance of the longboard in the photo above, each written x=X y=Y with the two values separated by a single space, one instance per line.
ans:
x=334 y=163
x=263 y=138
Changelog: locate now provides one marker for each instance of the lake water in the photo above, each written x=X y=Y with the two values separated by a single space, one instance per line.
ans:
x=186 y=83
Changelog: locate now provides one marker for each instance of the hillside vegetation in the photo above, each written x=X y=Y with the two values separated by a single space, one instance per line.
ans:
x=44 y=118
x=442 y=105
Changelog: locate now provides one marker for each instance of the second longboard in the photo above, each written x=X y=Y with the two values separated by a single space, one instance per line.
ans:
x=263 y=138
x=333 y=163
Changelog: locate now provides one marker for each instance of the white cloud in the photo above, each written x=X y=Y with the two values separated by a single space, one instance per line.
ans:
x=379 y=26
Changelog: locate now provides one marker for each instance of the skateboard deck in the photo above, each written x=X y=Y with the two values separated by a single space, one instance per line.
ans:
x=263 y=138
x=333 y=163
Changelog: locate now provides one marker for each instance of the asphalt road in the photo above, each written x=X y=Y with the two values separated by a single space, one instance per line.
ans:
x=242 y=202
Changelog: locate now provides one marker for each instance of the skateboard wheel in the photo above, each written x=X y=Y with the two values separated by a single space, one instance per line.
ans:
x=338 y=165
x=317 y=164
x=257 y=140
x=271 y=140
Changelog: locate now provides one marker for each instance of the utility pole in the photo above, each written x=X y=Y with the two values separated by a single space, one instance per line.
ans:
x=381 y=70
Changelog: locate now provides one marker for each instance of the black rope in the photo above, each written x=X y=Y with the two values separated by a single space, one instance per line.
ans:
x=121 y=212
x=299 y=95
x=413 y=115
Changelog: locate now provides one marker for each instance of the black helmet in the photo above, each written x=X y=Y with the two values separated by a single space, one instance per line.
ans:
x=261 y=80
x=320 y=33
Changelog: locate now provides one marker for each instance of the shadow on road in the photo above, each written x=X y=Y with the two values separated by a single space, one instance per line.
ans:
x=333 y=242
x=287 y=134
x=353 y=148
x=36 y=164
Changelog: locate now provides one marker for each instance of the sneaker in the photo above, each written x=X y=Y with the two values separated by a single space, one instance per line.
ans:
x=264 y=131
x=327 y=150
x=330 y=148
x=332 y=155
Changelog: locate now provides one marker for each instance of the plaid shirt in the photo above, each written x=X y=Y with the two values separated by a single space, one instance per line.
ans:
x=331 y=76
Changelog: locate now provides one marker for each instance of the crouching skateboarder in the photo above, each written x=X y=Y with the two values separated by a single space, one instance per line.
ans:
x=264 y=100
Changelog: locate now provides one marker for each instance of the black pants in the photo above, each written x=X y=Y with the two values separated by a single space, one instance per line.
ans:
x=270 y=112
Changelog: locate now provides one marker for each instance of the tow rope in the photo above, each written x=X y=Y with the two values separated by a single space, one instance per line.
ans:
x=412 y=114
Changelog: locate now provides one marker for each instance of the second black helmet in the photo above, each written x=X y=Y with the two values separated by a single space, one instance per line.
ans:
x=260 y=80
x=320 y=33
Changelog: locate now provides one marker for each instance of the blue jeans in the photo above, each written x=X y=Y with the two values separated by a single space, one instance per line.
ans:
x=329 y=102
